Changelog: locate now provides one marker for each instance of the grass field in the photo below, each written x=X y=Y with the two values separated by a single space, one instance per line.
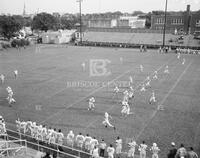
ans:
x=43 y=78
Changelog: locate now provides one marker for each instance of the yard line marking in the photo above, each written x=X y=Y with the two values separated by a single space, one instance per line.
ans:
x=134 y=89
x=163 y=100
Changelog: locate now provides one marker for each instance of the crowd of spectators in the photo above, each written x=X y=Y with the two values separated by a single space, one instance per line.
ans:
x=94 y=147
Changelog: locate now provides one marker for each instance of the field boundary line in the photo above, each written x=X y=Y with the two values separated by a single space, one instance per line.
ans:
x=163 y=100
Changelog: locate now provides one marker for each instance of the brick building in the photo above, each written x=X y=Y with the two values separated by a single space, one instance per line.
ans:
x=186 y=21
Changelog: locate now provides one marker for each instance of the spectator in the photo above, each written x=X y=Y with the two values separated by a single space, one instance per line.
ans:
x=181 y=152
x=142 y=149
x=141 y=48
x=111 y=151
x=192 y=154
x=172 y=151
x=95 y=152
x=102 y=147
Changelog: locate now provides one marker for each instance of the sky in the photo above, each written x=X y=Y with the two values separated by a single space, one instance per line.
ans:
x=93 y=6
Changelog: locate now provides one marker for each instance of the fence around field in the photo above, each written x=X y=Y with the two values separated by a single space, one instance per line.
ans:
x=54 y=149
x=9 y=147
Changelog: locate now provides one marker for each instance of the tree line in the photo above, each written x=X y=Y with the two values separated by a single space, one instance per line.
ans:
x=11 y=25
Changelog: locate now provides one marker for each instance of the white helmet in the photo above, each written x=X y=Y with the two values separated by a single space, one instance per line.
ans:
x=154 y=145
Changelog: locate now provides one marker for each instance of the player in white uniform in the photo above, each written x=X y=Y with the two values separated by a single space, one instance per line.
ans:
x=155 y=150
x=2 y=126
x=152 y=98
x=131 y=92
x=130 y=80
x=111 y=151
x=106 y=121
x=44 y=133
x=94 y=142
x=143 y=88
x=166 y=71
x=131 y=151
x=60 y=137
x=10 y=96
x=83 y=66
x=142 y=150
x=178 y=55
x=52 y=139
x=70 y=138
x=39 y=132
x=118 y=146
x=126 y=96
x=183 y=62
x=2 y=77
x=95 y=152
x=141 y=68
x=155 y=75
x=148 y=83
x=91 y=104
x=87 y=142
x=121 y=60
x=16 y=73
x=116 y=91
x=80 y=140
x=125 y=109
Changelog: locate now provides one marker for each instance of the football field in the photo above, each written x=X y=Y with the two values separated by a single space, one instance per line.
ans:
x=53 y=89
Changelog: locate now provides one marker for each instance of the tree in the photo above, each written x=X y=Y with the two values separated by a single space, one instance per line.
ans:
x=148 y=20
x=19 y=19
x=44 y=22
x=135 y=13
x=68 y=22
x=9 y=26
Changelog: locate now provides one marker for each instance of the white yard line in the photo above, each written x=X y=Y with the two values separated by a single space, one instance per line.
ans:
x=163 y=100
x=93 y=122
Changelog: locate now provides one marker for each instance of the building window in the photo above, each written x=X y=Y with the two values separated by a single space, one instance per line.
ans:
x=198 y=23
x=159 y=21
x=177 y=21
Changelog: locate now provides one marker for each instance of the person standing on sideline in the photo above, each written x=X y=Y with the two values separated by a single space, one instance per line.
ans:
x=142 y=150
x=131 y=151
x=181 y=152
x=2 y=78
x=111 y=151
x=102 y=147
x=16 y=74
x=95 y=152
x=155 y=150
x=192 y=154
x=118 y=146
x=172 y=151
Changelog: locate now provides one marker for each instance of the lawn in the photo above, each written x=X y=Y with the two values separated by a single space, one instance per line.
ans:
x=50 y=90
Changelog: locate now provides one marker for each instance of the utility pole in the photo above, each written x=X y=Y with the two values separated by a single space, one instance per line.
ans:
x=165 y=20
x=80 y=1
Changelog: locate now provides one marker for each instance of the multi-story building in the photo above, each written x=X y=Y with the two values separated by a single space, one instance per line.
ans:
x=121 y=22
x=195 y=21
x=186 y=21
